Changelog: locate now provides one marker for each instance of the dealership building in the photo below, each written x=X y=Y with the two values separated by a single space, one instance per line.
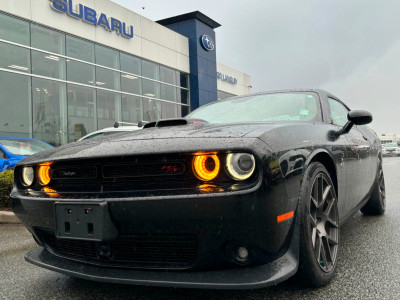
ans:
x=70 y=67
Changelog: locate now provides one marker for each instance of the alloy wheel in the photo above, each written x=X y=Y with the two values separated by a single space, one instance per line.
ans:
x=324 y=222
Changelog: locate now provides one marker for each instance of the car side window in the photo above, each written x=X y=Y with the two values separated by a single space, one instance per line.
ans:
x=2 y=154
x=338 y=112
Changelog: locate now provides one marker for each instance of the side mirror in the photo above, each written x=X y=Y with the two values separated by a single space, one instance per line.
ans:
x=354 y=117
x=359 y=117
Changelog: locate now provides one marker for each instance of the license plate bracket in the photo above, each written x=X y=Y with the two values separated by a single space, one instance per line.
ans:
x=84 y=220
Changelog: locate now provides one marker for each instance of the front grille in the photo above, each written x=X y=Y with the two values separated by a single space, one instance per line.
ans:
x=143 y=251
x=143 y=170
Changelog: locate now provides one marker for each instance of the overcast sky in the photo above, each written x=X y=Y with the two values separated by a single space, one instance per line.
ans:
x=349 y=48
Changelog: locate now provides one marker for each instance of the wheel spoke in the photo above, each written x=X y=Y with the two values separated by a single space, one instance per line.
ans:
x=314 y=236
x=314 y=201
x=315 y=193
x=327 y=251
x=329 y=208
x=325 y=194
x=318 y=246
x=320 y=191
x=332 y=222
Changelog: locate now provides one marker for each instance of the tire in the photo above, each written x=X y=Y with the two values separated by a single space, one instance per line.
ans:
x=319 y=227
x=376 y=204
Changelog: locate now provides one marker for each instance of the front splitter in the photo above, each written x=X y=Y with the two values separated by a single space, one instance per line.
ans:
x=240 y=278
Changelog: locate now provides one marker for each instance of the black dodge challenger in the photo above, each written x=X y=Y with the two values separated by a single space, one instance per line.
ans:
x=241 y=193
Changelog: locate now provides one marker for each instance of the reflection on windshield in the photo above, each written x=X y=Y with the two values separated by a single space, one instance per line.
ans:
x=258 y=108
x=24 y=147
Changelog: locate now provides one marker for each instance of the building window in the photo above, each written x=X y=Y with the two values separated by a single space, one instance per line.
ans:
x=168 y=92
x=151 y=88
x=131 y=64
x=48 y=65
x=80 y=72
x=167 y=75
x=182 y=79
x=47 y=39
x=151 y=110
x=14 y=30
x=48 y=99
x=81 y=111
x=107 y=79
x=182 y=96
x=15 y=112
x=168 y=110
x=107 y=57
x=79 y=49
x=131 y=84
x=150 y=70
x=182 y=110
x=224 y=95
x=131 y=109
x=14 y=58
x=108 y=105
x=60 y=112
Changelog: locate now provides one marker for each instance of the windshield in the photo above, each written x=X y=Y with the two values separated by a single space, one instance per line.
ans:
x=267 y=107
x=24 y=147
x=391 y=145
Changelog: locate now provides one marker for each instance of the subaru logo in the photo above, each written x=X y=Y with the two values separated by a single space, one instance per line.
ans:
x=207 y=42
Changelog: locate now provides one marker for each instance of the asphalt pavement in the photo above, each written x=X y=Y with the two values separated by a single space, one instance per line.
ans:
x=368 y=268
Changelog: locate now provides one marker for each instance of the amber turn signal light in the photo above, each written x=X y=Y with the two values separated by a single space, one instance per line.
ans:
x=206 y=167
x=43 y=174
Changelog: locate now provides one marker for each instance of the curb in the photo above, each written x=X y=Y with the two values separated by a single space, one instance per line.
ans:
x=8 y=217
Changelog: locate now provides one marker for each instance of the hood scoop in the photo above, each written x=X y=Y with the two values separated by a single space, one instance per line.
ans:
x=174 y=122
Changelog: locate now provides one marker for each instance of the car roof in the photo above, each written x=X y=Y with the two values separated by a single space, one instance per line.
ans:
x=121 y=128
x=17 y=138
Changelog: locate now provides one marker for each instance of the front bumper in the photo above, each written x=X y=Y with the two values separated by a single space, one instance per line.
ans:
x=239 y=278
x=246 y=218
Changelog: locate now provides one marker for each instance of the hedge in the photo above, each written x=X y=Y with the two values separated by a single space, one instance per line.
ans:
x=6 y=183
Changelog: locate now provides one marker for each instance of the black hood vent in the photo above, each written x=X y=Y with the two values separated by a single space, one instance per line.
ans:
x=174 y=122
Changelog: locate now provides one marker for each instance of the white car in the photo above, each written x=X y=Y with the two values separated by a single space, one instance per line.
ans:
x=110 y=130
x=391 y=149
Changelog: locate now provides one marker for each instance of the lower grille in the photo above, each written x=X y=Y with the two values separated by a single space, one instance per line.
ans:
x=134 y=251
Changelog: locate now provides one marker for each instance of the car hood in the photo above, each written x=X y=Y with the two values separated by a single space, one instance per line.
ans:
x=186 y=138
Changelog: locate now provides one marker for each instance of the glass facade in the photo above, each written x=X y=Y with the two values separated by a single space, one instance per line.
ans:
x=58 y=88
x=224 y=95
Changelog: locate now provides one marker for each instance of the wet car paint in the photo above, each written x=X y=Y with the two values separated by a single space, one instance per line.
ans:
x=283 y=151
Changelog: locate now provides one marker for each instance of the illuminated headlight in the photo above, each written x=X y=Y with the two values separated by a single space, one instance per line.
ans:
x=28 y=175
x=43 y=174
x=240 y=166
x=206 y=167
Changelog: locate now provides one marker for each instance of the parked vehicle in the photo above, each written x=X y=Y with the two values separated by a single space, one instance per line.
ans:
x=13 y=149
x=242 y=193
x=391 y=149
x=111 y=130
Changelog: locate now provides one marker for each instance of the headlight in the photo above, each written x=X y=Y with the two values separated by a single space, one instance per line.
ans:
x=43 y=174
x=206 y=167
x=28 y=175
x=240 y=166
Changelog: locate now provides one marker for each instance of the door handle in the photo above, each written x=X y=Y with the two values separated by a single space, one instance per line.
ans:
x=365 y=138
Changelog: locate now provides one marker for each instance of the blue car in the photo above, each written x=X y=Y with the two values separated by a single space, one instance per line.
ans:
x=13 y=149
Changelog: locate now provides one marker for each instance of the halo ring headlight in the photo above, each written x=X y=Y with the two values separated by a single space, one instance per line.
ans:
x=240 y=166
x=206 y=167
x=43 y=174
x=28 y=176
